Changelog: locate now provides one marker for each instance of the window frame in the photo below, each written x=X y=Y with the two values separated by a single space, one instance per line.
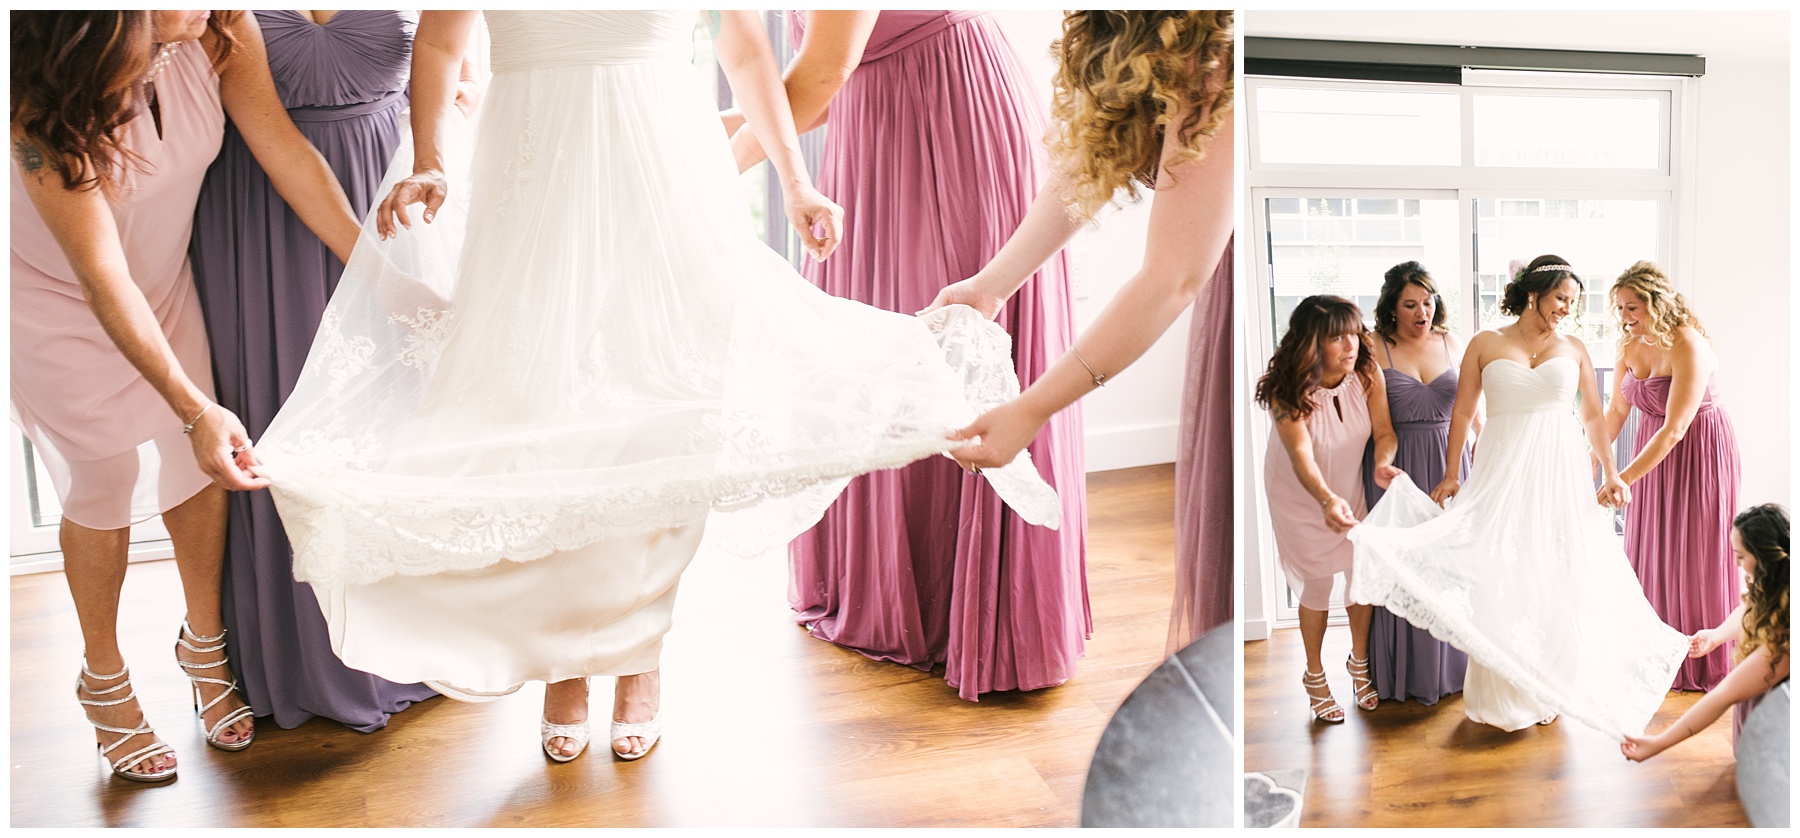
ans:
x=1670 y=187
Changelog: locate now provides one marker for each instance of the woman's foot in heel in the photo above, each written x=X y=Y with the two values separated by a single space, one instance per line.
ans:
x=1360 y=682
x=1318 y=692
x=226 y=721
x=563 y=729
x=637 y=722
x=124 y=737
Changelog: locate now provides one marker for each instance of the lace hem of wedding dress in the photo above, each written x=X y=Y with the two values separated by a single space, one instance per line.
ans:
x=403 y=526
x=1398 y=567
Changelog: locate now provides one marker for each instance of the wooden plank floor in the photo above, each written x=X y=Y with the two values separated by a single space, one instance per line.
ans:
x=763 y=725
x=1405 y=764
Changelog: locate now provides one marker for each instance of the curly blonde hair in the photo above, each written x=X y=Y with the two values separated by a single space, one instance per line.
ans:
x=1667 y=310
x=1121 y=79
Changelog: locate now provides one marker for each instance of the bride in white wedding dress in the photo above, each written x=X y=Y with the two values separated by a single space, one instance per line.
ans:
x=1522 y=568
x=504 y=451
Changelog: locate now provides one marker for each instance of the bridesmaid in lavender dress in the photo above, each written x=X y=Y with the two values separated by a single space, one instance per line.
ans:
x=1422 y=360
x=933 y=149
x=264 y=280
x=1684 y=475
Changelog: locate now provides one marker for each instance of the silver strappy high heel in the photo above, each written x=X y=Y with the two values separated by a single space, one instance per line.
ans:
x=120 y=765
x=206 y=645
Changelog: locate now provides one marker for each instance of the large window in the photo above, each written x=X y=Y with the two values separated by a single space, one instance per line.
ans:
x=1347 y=179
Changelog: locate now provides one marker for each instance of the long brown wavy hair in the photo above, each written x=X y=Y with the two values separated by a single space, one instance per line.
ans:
x=1763 y=531
x=1121 y=78
x=1286 y=387
x=76 y=83
x=1666 y=310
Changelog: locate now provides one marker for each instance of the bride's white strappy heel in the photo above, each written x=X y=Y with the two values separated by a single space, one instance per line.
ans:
x=650 y=732
x=577 y=733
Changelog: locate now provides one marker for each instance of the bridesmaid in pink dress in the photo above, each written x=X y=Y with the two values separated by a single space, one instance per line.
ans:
x=110 y=373
x=1327 y=398
x=933 y=149
x=1684 y=476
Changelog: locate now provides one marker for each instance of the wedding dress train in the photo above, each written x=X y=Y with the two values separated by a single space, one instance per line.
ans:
x=507 y=445
x=1523 y=571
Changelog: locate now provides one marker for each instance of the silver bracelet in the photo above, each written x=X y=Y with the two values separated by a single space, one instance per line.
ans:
x=189 y=427
x=1099 y=380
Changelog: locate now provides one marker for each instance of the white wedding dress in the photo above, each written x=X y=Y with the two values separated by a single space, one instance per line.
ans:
x=1523 y=571
x=506 y=446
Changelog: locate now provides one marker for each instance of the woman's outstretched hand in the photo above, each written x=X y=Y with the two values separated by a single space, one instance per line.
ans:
x=819 y=222
x=427 y=187
x=1704 y=641
x=968 y=292
x=222 y=449
x=1003 y=432
x=1338 y=515
x=1384 y=475
x=1613 y=493
x=1446 y=489
x=1640 y=748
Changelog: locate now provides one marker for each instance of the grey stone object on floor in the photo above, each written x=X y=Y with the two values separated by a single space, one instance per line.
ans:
x=1274 y=798
x=1166 y=757
x=1762 y=760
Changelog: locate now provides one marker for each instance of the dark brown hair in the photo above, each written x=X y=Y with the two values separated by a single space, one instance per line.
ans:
x=1763 y=530
x=1398 y=277
x=75 y=80
x=1531 y=282
x=1287 y=386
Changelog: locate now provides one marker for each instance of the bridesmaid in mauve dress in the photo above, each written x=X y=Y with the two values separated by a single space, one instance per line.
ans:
x=1684 y=470
x=1407 y=662
x=264 y=280
x=934 y=151
x=1203 y=470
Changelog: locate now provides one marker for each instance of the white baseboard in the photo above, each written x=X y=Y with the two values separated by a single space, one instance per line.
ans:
x=1256 y=630
x=1130 y=447
x=147 y=551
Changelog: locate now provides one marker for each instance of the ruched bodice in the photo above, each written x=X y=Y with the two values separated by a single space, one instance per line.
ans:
x=1513 y=387
x=1414 y=405
x=545 y=39
x=1651 y=395
x=357 y=56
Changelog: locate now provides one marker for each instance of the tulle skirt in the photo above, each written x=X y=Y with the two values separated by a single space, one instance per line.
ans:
x=518 y=422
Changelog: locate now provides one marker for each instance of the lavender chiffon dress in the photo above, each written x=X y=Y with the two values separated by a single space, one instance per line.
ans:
x=264 y=280
x=933 y=149
x=1678 y=524
x=1407 y=662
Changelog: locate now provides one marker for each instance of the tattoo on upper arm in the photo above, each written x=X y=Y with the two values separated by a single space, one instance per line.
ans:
x=30 y=158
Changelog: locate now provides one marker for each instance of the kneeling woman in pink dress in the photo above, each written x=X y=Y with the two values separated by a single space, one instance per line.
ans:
x=1327 y=398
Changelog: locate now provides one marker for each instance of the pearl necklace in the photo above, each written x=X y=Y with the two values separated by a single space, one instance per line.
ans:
x=163 y=57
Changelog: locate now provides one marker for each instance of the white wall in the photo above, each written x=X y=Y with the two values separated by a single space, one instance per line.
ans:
x=1740 y=280
x=1133 y=420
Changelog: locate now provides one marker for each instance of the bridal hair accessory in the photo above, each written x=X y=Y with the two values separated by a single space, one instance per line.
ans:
x=189 y=427
x=1099 y=380
x=1552 y=268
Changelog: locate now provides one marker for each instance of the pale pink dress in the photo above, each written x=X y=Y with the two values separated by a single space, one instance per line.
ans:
x=114 y=451
x=1309 y=552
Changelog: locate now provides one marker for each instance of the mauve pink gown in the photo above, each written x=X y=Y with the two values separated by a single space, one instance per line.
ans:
x=934 y=150
x=1203 y=470
x=92 y=418
x=1678 y=524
